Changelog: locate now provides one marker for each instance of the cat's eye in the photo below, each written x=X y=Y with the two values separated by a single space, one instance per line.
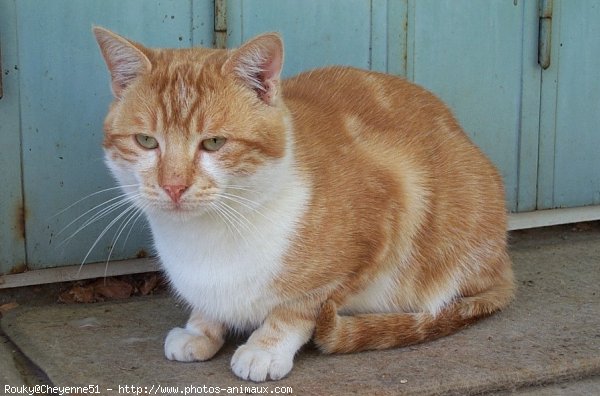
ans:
x=146 y=141
x=213 y=144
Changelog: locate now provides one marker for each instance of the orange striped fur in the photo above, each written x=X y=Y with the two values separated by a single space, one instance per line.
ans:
x=362 y=214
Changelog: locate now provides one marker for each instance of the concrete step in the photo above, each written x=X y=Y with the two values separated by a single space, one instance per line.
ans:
x=546 y=342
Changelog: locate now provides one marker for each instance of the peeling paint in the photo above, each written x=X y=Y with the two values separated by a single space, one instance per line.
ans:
x=220 y=24
x=1 y=89
x=18 y=269
x=20 y=220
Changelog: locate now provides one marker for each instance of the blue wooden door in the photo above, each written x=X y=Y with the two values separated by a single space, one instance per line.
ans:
x=479 y=57
x=570 y=121
x=56 y=95
x=539 y=126
x=365 y=34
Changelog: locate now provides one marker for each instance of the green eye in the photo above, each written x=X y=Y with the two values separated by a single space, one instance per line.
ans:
x=213 y=144
x=146 y=141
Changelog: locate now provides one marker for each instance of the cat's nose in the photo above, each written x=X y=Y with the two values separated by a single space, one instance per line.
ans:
x=175 y=191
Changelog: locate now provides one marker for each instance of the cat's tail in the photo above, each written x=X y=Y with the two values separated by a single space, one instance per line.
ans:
x=344 y=334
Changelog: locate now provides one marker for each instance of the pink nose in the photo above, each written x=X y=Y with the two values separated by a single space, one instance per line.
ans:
x=175 y=191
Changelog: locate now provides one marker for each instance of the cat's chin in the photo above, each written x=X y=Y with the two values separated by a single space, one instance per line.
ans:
x=176 y=213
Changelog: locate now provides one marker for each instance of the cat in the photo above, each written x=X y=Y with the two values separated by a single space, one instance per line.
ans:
x=341 y=205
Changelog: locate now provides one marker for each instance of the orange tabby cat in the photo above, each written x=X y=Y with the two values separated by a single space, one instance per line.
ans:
x=341 y=204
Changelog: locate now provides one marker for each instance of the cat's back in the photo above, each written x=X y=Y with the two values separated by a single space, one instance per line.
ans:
x=381 y=114
x=361 y=92
x=339 y=87
x=354 y=104
x=353 y=127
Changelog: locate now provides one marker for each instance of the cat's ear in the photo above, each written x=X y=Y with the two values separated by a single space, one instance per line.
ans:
x=124 y=58
x=258 y=64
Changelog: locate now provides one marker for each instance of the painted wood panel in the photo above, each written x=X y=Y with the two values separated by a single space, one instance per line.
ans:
x=540 y=128
x=480 y=58
x=12 y=241
x=319 y=33
x=570 y=144
x=471 y=55
x=530 y=102
x=64 y=97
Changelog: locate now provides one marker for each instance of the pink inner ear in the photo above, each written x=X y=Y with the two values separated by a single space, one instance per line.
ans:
x=270 y=78
x=258 y=64
x=272 y=67
x=269 y=93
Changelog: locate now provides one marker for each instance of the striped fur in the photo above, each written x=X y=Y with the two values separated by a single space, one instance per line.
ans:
x=344 y=205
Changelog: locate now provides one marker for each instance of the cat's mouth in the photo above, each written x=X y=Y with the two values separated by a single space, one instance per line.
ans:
x=179 y=208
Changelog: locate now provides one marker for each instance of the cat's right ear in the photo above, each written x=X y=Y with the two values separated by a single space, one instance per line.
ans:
x=258 y=64
x=124 y=59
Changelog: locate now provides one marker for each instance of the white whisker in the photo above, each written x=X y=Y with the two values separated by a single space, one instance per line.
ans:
x=91 y=210
x=140 y=213
x=222 y=217
x=245 y=202
x=243 y=188
x=91 y=195
x=108 y=227
x=235 y=222
x=100 y=214
x=240 y=218
x=133 y=213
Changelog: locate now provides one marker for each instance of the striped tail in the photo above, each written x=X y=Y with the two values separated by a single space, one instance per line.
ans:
x=344 y=334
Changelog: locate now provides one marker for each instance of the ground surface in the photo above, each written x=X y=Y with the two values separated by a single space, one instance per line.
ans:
x=546 y=343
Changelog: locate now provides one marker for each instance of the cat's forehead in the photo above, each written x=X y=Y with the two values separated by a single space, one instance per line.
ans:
x=173 y=67
x=180 y=82
x=176 y=94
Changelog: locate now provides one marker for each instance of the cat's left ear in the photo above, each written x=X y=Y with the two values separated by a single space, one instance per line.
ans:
x=258 y=64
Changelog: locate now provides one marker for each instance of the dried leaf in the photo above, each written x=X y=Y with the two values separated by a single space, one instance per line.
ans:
x=4 y=308
x=65 y=297
x=149 y=285
x=111 y=288
x=77 y=294
x=580 y=227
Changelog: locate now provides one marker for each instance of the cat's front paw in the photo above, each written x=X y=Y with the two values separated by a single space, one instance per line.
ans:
x=184 y=345
x=254 y=363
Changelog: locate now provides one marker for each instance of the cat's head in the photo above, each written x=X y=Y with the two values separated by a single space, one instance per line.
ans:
x=191 y=127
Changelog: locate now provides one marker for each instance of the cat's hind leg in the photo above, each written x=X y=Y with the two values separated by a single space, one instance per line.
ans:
x=353 y=333
x=199 y=340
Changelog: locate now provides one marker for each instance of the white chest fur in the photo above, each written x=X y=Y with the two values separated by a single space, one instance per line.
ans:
x=225 y=273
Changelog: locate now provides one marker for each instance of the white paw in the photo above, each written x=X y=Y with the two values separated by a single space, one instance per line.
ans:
x=253 y=363
x=184 y=345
